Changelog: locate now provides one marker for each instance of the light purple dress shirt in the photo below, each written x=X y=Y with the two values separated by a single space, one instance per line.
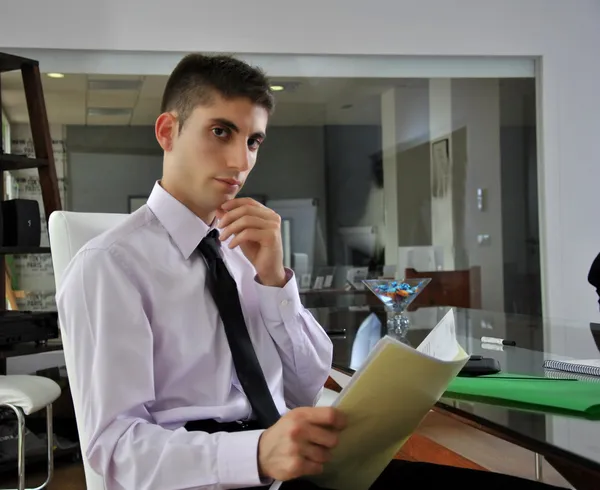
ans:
x=151 y=353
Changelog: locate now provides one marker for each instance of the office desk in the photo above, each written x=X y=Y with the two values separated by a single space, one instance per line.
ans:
x=569 y=444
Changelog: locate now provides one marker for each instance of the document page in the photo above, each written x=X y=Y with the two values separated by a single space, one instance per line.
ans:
x=441 y=342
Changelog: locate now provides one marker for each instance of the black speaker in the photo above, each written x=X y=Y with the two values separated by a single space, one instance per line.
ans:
x=21 y=223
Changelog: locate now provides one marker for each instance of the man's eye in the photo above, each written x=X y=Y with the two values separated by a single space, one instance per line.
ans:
x=220 y=132
x=253 y=143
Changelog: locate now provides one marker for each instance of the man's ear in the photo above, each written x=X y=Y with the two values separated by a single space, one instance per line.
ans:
x=165 y=130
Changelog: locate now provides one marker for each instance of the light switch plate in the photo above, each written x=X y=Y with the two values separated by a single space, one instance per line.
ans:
x=483 y=239
x=481 y=199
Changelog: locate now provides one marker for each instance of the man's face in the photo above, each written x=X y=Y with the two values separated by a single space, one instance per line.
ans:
x=213 y=153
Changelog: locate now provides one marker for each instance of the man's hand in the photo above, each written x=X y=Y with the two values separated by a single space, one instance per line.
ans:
x=257 y=230
x=299 y=443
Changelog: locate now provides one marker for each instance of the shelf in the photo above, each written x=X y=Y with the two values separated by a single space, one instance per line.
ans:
x=10 y=62
x=29 y=348
x=24 y=250
x=20 y=162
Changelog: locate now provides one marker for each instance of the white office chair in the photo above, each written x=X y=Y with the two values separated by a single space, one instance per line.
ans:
x=68 y=232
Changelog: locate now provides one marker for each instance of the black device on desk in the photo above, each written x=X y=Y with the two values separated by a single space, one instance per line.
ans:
x=480 y=366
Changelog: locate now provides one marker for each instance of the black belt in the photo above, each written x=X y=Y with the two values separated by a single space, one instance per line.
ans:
x=212 y=426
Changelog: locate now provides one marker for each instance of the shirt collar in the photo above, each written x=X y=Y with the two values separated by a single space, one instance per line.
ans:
x=183 y=226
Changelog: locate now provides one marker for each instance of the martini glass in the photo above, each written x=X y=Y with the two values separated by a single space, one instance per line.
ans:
x=396 y=296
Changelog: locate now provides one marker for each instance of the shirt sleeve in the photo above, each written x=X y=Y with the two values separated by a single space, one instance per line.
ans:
x=305 y=348
x=108 y=338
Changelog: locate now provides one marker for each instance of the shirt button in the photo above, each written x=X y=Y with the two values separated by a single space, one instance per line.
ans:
x=284 y=302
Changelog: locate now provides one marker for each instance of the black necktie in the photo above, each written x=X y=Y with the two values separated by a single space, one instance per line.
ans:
x=225 y=294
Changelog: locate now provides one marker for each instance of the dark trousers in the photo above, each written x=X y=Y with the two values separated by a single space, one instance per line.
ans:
x=404 y=475
x=407 y=475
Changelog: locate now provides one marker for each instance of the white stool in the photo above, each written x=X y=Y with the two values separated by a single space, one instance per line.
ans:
x=25 y=395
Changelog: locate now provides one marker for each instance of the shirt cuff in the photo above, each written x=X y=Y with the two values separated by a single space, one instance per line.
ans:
x=279 y=304
x=237 y=460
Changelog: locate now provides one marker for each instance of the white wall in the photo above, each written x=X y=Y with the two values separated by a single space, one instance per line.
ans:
x=411 y=119
x=476 y=107
x=104 y=182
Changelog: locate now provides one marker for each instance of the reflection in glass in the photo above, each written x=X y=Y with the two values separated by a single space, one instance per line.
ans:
x=373 y=169
x=433 y=174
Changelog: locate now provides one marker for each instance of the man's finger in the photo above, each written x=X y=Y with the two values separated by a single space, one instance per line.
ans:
x=237 y=213
x=248 y=235
x=316 y=454
x=328 y=417
x=241 y=201
x=243 y=223
x=321 y=436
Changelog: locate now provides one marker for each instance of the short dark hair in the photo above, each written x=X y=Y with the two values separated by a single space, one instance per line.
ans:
x=197 y=77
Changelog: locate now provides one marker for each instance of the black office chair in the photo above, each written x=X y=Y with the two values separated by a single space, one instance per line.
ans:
x=594 y=275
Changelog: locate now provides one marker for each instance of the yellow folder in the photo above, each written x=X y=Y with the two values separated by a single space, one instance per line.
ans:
x=386 y=400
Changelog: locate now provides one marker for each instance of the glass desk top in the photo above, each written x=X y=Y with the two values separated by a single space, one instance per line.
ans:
x=355 y=330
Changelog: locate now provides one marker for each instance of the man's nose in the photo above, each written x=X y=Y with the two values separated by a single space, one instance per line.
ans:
x=240 y=158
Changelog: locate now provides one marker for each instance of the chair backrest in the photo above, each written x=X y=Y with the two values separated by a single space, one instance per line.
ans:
x=68 y=232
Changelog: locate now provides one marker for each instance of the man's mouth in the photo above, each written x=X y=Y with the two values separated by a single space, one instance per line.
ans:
x=231 y=182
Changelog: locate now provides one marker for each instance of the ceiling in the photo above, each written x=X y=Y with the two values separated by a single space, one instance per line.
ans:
x=135 y=100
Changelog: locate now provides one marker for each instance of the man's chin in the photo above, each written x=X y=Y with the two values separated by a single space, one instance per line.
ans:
x=223 y=199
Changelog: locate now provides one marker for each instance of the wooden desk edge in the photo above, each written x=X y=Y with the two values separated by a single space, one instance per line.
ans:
x=579 y=475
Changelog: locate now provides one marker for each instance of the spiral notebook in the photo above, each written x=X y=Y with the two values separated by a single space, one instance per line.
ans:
x=554 y=374
x=588 y=367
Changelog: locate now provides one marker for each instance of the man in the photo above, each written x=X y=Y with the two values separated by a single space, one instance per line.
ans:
x=199 y=365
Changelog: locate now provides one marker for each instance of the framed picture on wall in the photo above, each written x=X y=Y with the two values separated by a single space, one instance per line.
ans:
x=441 y=168
x=136 y=202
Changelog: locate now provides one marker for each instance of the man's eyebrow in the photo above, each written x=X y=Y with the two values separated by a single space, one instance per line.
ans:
x=231 y=125
x=227 y=123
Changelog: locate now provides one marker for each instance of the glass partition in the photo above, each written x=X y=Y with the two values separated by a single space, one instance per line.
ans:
x=430 y=174
x=377 y=165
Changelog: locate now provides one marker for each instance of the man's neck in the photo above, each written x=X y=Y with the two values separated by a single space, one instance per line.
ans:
x=207 y=216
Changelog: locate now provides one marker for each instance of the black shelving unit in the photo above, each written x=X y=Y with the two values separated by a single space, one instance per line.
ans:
x=42 y=142
x=24 y=250
x=44 y=163
x=20 y=162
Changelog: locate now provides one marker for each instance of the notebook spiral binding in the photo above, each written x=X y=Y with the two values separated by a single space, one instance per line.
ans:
x=572 y=367
x=552 y=374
